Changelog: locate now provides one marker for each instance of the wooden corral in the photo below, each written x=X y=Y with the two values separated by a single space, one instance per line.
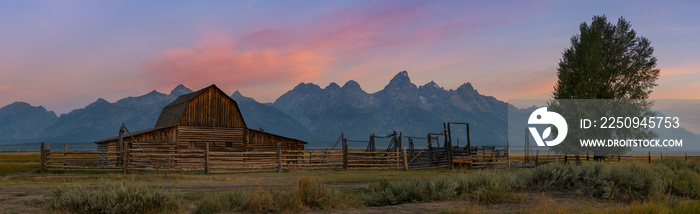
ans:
x=195 y=120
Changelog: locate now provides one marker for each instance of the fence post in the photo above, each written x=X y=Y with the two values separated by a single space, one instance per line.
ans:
x=65 y=150
x=345 y=156
x=279 y=157
x=649 y=156
x=206 y=158
x=618 y=158
x=125 y=153
x=448 y=141
x=507 y=152
x=537 y=155
x=578 y=159
x=686 y=157
x=42 y=158
x=397 y=154
x=405 y=159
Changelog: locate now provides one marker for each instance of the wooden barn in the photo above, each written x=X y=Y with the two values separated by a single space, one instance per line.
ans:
x=207 y=116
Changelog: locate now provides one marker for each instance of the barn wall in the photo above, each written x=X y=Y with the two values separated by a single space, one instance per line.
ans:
x=219 y=139
x=261 y=141
x=158 y=139
x=212 y=108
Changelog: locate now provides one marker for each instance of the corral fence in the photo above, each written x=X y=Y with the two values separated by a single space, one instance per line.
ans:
x=213 y=162
x=430 y=157
x=539 y=159
x=482 y=157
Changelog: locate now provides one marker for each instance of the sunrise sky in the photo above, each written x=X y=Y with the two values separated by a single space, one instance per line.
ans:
x=65 y=54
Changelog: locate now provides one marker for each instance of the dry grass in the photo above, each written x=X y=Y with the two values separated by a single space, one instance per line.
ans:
x=13 y=163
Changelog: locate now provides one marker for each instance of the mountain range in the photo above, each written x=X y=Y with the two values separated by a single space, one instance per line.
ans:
x=401 y=106
x=307 y=112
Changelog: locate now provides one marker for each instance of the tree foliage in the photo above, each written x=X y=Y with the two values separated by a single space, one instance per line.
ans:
x=605 y=62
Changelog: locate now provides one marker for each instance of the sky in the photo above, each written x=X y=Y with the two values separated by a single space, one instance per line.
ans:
x=65 y=55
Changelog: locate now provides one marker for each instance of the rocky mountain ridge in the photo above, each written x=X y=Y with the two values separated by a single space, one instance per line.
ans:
x=307 y=112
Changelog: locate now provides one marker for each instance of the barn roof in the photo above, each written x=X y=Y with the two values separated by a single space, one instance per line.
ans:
x=170 y=115
x=280 y=136
x=130 y=134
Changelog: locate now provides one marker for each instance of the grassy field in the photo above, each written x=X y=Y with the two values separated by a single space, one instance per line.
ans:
x=669 y=186
x=12 y=163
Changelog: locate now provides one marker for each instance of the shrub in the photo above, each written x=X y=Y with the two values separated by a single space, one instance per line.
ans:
x=684 y=183
x=261 y=201
x=624 y=181
x=112 y=198
x=305 y=194
x=390 y=193
x=672 y=164
x=314 y=194
x=484 y=187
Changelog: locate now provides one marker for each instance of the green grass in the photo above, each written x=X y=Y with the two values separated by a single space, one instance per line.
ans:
x=13 y=163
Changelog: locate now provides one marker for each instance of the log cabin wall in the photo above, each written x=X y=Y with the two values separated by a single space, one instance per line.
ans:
x=162 y=138
x=190 y=137
x=219 y=139
x=212 y=108
x=261 y=141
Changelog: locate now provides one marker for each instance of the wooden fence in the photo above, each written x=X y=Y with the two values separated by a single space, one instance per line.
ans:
x=539 y=159
x=430 y=157
x=483 y=157
x=211 y=162
x=79 y=161
x=313 y=159
x=374 y=160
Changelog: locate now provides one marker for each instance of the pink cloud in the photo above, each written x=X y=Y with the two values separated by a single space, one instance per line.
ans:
x=675 y=71
x=525 y=85
x=676 y=91
x=216 y=59
x=337 y=42
x=677 y=83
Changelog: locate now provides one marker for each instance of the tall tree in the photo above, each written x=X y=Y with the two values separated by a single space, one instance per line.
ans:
x=608 y=62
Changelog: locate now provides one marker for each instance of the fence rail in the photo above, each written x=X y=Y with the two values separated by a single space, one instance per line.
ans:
x=483 y=157
x=215 y=162
x=539 y=159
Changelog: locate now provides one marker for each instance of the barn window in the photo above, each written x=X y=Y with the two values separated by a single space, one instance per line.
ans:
x=229 y=144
